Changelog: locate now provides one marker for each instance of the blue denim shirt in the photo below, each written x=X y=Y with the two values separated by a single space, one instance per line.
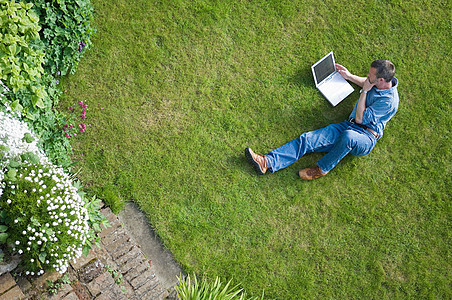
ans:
x=381 y=106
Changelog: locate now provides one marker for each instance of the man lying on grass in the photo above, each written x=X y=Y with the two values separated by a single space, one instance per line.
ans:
x=377 y=104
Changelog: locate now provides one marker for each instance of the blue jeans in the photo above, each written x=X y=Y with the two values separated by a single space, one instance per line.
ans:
x=337 y=140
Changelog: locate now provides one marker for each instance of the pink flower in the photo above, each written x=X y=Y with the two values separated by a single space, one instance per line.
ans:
x=65 y=127
x=67 y=135
x=82 y=127
x=70 y=108
x=83 y=105
x=71 y=126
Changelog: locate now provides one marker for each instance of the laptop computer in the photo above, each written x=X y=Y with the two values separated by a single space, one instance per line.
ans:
x=330 y=82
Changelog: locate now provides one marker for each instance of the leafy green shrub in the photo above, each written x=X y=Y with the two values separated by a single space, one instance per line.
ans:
x=44 y=215
x=46 y=218
x=33 y=91
x=96 y=218
x=46 y=123
x=63 y=29
x=66 y=32
x=17 y=145
x=49 y=128
x=21 y=55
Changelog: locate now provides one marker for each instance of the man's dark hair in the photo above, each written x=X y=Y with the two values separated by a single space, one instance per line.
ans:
x=385 y=69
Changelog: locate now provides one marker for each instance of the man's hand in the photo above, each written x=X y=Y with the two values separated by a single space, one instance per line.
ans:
x=343 y=71
x=367 y=85
x=349 y=76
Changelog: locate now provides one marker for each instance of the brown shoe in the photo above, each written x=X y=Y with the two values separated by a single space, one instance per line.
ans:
x=259 y=162
x=311 y=173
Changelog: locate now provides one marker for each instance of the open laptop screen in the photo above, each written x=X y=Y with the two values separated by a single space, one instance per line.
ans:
x=324 y=68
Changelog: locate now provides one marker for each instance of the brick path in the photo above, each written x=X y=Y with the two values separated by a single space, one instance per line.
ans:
x=119 y=270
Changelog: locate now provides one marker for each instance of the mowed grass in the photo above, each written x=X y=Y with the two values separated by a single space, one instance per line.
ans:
x=177 y=89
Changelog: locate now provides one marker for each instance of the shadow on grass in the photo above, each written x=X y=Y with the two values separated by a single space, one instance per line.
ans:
x=303 y=77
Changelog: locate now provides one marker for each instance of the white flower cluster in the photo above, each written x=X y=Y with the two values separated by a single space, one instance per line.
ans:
x=12 y=133
x=51 y=218
x=63 y=230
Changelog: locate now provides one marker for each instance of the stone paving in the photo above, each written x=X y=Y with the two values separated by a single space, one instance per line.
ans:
x=119 y=270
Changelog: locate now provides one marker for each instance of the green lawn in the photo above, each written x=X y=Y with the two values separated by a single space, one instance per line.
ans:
x=177 y=89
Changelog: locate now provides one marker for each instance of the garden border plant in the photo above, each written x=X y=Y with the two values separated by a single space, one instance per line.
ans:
x=55 y=286
x=21 y=52
x=61 y=28
x=45 y=216
x=191 y=288
x=66 y=33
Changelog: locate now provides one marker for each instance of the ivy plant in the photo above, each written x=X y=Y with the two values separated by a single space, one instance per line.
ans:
x=66 y=32
x=21 y=54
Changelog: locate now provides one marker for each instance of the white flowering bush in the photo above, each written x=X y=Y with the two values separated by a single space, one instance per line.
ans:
x=43 y=216
x=47 y=216
x=17 y=143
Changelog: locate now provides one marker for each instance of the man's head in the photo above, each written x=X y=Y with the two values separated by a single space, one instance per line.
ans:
x=384 y=69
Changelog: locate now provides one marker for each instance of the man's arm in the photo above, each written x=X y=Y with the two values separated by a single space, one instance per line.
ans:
x=349 y=76
x=361 y=107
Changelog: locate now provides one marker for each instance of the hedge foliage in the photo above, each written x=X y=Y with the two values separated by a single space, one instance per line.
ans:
x=66 y=32
x=41 y=40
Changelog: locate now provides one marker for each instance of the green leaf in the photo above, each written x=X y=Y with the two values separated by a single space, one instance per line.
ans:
x=16 y=106
x=14 y=163
x=85 y=250
x=3 y=228
x=3 y=216
x=11 y=175
x=12 y=49
x=42 y=256
x=96 y=227
x=27 y=6
x=33 y=158
x=30 y=116
x=50 y=232
x=28 y=138
x=3 y=237
x=40 y=103
x=4 y=148
x=106 y=223
x=35 y=222
x=97 y=242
